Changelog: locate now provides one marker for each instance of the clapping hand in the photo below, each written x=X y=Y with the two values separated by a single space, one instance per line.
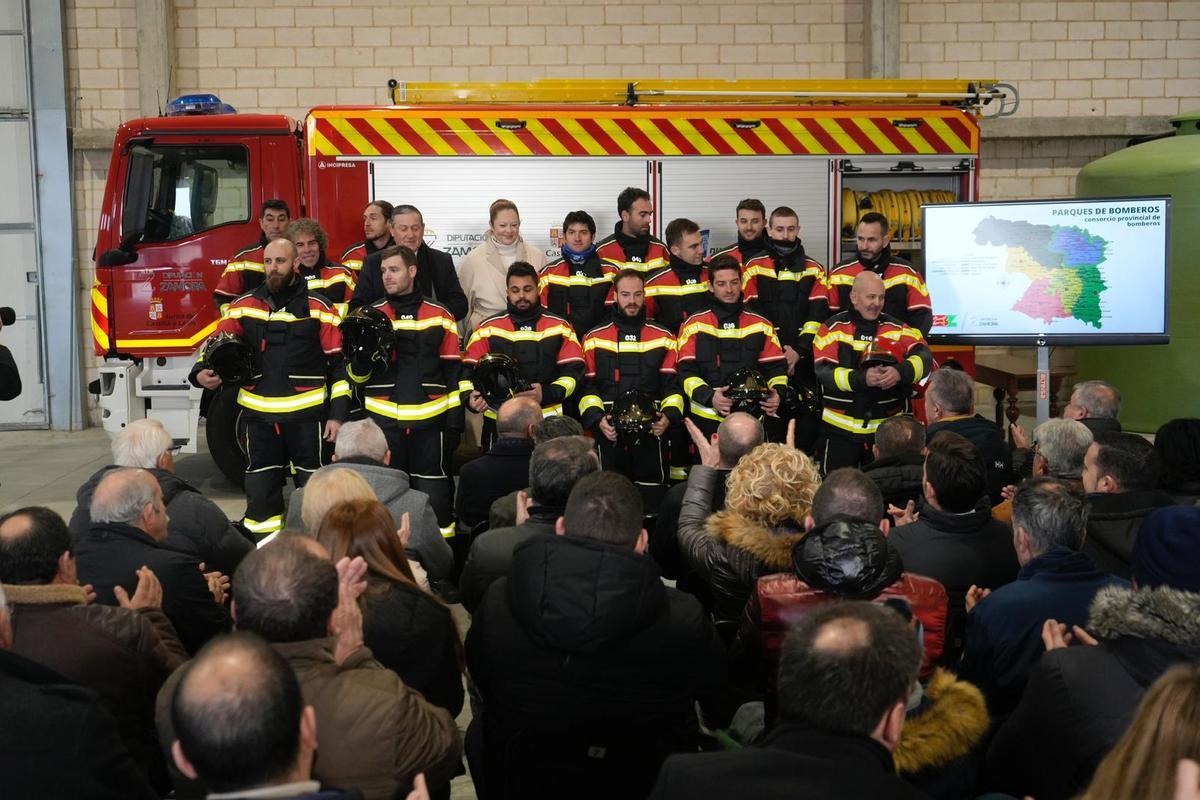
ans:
x=1055 y=635
x=148 y=594
x=906 y=515
x=709 y=455
x=346 y=623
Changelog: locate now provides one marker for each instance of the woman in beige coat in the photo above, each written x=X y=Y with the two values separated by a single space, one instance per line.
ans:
x=483 y=270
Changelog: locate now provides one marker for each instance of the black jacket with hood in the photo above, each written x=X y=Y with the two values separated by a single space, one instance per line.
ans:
x=1113 y=523
x=588 y=667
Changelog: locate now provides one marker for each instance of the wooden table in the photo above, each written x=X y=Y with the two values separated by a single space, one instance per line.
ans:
x=1009 y=376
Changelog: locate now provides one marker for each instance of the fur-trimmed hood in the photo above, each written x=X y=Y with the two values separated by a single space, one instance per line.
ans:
x=772 y=547
x=947 y=726
x=45 y=594
x=1163 y=613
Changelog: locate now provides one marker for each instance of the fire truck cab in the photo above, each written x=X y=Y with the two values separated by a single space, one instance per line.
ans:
x=183 y=191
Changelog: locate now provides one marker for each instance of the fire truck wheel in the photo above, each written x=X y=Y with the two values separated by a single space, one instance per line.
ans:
x=226 y=435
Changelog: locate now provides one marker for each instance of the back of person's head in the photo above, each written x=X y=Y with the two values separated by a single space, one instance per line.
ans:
x=556 y=466
x=953 y=390
x=285 y=590
x=1178 y=446
x=554 y=426
x=1128 y=459
x=361 y=440
x=122 y=495
x=1165 y=730
x=1063 y=443
x=737 y=435
x=1166 y=551
x=236 y=714
x=954 y=469
x=1052 y=511
x=32 y=540
x=328 y=487
x=517 y=416
x=365 y=528
x=845 y=666
x=848 y=493
x=772 y=485
x=604 y=506
x=1100 y=399
x=141 y=444
x=900 y=435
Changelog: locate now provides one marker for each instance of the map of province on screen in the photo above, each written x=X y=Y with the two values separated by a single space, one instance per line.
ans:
x=1057 y=268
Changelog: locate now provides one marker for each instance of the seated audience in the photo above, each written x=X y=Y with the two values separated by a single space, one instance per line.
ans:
x=197 y=527
x=1177 y=444
x=1059 y=446
x=950 y=406
x=1166 y=730
x=737 y=435
x=768 y=495
x=129 y=526
x=587 y=665
x=362 y=448
x=1080 y=700
x=1096 y=404
x=407 y=630
x=1004 y=627
x=502 y=469
x=503 y=513
x=242 y=725
x=846 y=674
x=554 y=469
x=122 y=653
x=1120 y=475
x=56 y=739
x=954 y=538
x=374 y=733
x=329 y=487
x=899 y=460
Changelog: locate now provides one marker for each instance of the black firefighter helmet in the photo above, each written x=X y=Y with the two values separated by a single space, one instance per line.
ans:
x=633 y=415
x=231 y=358
x=747 y=388
x=498 y=378
x=798 y=401
x=367 y=342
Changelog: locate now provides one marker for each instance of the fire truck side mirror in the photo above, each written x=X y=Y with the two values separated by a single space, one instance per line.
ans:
x=139 y=184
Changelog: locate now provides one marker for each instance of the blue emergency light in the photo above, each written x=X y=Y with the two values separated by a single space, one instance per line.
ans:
x=194 y=104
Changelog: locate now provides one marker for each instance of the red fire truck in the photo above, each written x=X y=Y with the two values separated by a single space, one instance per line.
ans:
x=183 y=191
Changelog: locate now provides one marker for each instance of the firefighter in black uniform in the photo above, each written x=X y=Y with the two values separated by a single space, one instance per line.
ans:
x=415 y=399
x=244 y=271
x=576 y=285
x=543 y=345
x=680 y=289
x=625 y=354
x=323 y=276
x=778 y=283
x=301 y=395
x=751 y=220
x=376 y=232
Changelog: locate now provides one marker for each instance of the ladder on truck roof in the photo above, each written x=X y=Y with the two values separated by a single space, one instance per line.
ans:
x=970 y=95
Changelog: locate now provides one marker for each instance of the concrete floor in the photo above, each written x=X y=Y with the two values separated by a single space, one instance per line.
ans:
x=45 y=468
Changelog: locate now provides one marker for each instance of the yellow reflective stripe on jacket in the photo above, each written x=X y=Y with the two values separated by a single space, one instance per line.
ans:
x=918 y=367
x=906 y=279
x=590 y=401
x=698 y=410
x=269 y=525
x=522 y=336
x=423 y=324
x=237 y=312
x=386 y=408
x=690 y=385
x=848 y=423
x=765 y=328
x=841 y=377
x=567 y=383
x=572 y=280
x=676 y=291
x=672 y=401
x=466 y=386
x=547 y=411
x=778 y=380
x=640 y=266
x=599 y=343
x=244 y=266
x=339 y=389
x=281 y=405
x=679 y=473
x=448 y=531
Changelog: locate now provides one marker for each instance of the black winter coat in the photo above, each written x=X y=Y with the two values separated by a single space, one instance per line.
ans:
x=796 y=762
x=499 y=471
x=198 y=527
x=491 y=554
x=56 y=740
x=993 y=449
x=1080 y=700
x=111 y=554
x=958 y=550
x=1113 y=524
x=414 y=636
x=436 y=279
x=898 y=478
x=588 y=667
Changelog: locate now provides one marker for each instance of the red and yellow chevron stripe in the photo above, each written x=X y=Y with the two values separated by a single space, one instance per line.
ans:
x=615 y=131
x=100 y=318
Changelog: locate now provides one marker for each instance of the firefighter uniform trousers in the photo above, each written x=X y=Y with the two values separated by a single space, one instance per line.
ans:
x=629 y=354
x=299 y=347
x=416 y=400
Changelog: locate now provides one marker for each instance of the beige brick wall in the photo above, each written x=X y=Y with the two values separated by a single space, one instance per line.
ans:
x=1076 y=57
x=102 y=62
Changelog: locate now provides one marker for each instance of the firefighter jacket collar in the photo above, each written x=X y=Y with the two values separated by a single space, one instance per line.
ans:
x=686 y=271
x=529 y=317
x=629 y=324
x=323 y=262
x=786 y=252
x=277 y=301
x=578 y=259
x=406 y=303
x=749 y=248
x=880 y=264
x=634 y=246
x=726 y=310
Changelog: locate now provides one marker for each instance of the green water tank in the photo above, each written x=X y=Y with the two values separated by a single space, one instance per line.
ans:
x=1158 y=382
